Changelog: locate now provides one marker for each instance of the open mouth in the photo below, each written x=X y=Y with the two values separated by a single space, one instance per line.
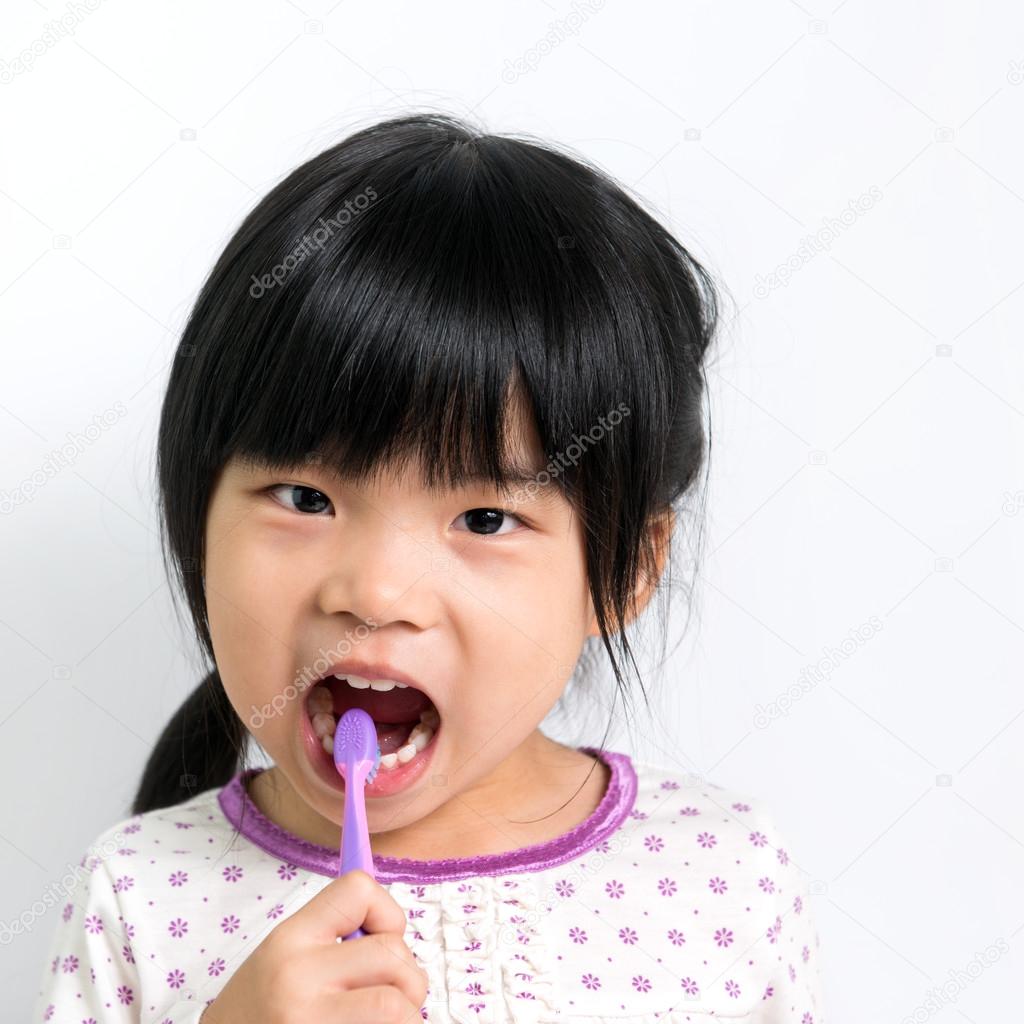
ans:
x=406 y=720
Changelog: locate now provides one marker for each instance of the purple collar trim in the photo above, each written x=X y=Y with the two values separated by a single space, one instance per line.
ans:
x=609 y=814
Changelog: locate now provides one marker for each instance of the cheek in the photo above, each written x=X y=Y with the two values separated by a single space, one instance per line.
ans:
x=524 y=638
x=255 y=572
x=245 y=564
x=252 y=617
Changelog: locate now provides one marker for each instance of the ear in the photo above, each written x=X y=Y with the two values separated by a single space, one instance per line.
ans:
x=661 y=535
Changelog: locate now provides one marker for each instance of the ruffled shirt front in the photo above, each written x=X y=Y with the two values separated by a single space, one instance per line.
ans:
x=675 y=900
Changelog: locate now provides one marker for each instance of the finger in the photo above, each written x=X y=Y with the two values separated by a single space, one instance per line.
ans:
x=380 y=1004
x=374 y=960
x=351 y=901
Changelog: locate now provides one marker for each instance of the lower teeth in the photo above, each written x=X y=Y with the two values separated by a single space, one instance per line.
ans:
x=325 y=725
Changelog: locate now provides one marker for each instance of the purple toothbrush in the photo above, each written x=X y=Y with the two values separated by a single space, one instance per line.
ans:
x=356 y=756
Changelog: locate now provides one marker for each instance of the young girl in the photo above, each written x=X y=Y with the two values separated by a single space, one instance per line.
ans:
x=424 y=441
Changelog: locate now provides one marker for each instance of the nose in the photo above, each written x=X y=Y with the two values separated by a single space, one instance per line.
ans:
x=381 y=573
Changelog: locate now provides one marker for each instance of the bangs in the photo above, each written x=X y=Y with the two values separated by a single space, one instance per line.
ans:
x=479 y=273
x=367 y=363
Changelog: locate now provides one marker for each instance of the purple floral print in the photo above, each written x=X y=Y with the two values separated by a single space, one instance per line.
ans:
x=672 y=901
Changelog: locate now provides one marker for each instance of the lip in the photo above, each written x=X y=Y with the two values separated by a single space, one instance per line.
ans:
x=387 y=781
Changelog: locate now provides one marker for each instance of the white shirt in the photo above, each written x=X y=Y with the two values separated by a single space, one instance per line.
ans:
x=673 y=901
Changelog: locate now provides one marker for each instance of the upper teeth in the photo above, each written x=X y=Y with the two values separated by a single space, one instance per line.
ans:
x=362 y=683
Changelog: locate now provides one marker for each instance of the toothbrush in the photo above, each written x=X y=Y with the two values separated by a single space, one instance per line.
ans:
x=356 y=756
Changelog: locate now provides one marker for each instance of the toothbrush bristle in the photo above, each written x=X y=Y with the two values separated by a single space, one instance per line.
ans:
x=371 y=775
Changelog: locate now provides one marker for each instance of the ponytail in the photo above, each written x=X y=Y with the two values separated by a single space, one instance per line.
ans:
x=201 y=747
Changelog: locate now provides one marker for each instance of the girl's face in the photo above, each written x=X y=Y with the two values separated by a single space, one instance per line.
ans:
x=486 y=614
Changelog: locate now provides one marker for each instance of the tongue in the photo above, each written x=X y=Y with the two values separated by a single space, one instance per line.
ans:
x=391 y=737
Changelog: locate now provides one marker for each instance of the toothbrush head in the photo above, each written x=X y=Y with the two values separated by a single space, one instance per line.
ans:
x=355 y=745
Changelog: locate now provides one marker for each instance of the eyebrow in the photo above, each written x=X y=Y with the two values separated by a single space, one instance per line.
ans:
x=517 y=473
x=520 y=475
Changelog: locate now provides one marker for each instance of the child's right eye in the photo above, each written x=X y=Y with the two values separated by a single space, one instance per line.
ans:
x=306 y=491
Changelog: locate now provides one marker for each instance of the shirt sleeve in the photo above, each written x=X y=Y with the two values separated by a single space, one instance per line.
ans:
x=794 y=994
x=91 y=972
x=91 y=976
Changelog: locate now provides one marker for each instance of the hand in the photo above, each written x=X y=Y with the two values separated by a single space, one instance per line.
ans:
x=301 y=972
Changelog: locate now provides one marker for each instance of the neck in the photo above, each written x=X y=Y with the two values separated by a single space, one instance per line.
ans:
x=542 y=790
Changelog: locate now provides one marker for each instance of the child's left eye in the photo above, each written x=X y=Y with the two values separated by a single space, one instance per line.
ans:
x=489 y=520
x=291 y=488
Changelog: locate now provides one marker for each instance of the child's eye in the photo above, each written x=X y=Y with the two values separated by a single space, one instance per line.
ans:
x=490 y=520
x=309 y=495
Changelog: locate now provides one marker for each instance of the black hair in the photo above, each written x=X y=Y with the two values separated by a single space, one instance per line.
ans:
x=380 y=306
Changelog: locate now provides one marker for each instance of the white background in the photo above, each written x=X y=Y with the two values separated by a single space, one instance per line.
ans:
x=867 y=415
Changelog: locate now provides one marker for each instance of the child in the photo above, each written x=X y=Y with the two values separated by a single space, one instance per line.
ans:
x=422 y=331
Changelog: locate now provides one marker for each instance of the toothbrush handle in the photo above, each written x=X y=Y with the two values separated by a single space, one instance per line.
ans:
x=355 y=837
